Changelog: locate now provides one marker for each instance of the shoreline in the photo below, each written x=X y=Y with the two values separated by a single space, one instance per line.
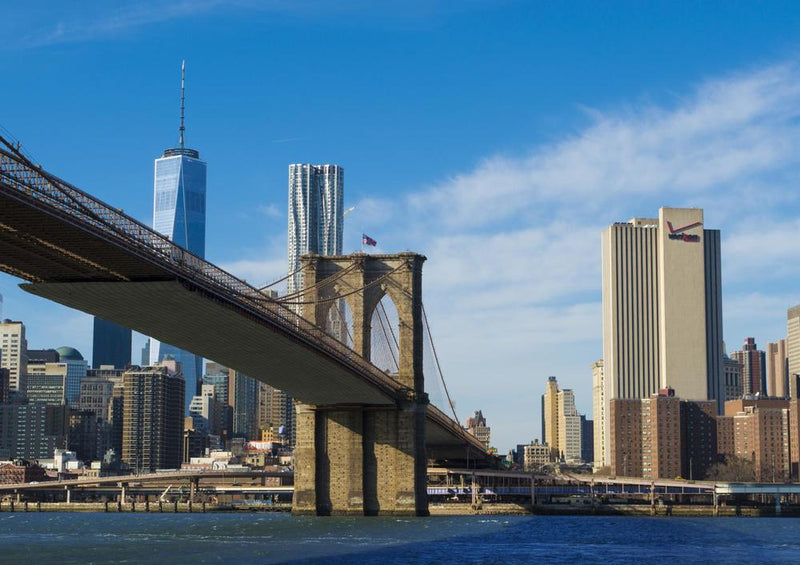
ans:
x=449 y=509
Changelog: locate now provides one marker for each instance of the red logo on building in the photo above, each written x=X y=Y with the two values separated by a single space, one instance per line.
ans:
x=678 y=233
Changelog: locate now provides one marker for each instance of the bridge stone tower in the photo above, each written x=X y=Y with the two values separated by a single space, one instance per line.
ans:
x=366 y=460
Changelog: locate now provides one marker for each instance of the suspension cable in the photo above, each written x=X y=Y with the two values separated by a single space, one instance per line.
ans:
x=326 y=281
x=438 y=365
x=366 y=286
x=290 y=275
x=386 y=335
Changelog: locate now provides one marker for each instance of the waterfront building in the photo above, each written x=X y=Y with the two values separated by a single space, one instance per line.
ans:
x=179 y=213
x=32 y=431
x=761 y=435
x=14 y=473
x=14 y=354
x=535 y=456
x=733 y=378
x=152 y=435
x=663 y=436
x=754 y=367
x=793 y=347
x=111 y=344
x=476 y=425
x=662 y=313
x=599 y=408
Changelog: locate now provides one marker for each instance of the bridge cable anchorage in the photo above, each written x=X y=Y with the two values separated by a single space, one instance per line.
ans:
x=438 y=365
x=366 y=286
x=324 y=282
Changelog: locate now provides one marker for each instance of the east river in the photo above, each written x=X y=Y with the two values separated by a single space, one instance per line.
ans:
x=43 y=538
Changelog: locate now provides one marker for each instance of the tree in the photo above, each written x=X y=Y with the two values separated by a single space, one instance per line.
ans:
x=732 y=469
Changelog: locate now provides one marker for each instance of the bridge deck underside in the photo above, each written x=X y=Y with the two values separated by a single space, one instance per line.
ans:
x=188 y=319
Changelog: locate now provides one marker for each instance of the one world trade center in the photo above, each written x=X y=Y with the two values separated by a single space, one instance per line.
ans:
x=179 y=212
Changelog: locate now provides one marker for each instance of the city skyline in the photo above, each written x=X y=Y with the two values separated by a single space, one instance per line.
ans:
x=529 y=181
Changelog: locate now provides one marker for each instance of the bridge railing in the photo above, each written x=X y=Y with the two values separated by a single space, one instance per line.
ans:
x=55 y=195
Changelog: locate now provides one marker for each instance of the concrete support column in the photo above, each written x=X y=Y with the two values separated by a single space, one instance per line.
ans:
x=69 y=494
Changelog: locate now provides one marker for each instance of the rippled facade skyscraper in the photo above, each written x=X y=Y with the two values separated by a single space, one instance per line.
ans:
x=179 y=212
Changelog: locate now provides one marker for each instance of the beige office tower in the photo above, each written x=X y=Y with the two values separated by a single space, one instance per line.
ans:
x=14 y=354
x=793 y=347
x=777 y=369
x=599 y=409
x=662 y=315
x=550 y=415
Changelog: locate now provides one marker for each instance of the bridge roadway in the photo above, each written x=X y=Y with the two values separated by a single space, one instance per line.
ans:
x=80 y=252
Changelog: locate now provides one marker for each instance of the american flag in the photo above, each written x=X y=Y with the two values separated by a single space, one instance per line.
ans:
x=367 y=240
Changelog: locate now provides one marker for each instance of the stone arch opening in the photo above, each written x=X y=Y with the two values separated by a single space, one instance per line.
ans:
x=385 y=336
x=339 y=322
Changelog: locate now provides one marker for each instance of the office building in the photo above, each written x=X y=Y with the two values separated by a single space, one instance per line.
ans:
x=777 y=369
x=662 y=313
x=209 y=415
x=4 y=382
x=599 y=407
x=793 y=347
x=77 y=368
x=97 y=391
x=476 y=425
x=49 y=386
x=152 y=435
x=754 y=368
x=42 y=356
x=587 y=440
x=14 y=355
x=275 y=412
x=179 y=213
x=111 y=344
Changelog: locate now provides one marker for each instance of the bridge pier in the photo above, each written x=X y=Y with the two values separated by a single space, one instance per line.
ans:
x=360 y=461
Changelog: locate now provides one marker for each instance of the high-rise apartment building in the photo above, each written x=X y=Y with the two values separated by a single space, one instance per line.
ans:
x=179 y=212
x=599 y=407
x=111 y=344
x=777 y=369
x=754 y=368
x=14 y=354
x=152 y=424
x=316 y=216
x=662 y=309
x=793 y=347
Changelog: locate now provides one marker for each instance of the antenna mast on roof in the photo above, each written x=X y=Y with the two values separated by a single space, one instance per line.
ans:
x=183 y=85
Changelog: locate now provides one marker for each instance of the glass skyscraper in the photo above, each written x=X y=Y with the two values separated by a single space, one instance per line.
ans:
x=179 y=212
x=111 y=344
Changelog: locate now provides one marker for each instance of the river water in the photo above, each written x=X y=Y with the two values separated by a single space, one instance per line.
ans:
x=43 y=538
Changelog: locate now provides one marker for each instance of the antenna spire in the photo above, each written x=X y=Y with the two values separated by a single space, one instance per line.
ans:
x=182 y=129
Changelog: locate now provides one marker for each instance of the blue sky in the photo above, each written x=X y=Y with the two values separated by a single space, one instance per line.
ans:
x=496 y=137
